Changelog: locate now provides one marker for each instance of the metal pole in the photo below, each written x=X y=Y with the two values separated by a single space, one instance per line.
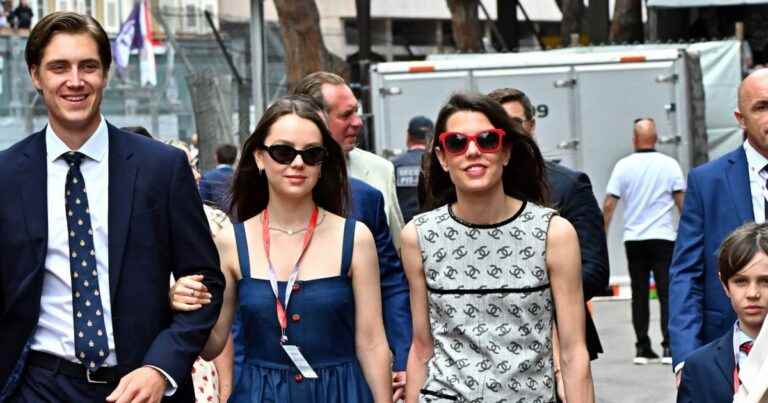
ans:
x=257 y=57
x=494 y=28
x=598 y=21
x=223 y=47
x=533 y=27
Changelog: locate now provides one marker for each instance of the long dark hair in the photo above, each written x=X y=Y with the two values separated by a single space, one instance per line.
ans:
x=250 y=191
x=523 y=178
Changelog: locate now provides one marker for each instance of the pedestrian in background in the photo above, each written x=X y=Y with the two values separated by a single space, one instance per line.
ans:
x=489 y=267
x=408 y=165
x=21 y=16
x=215 y=184
x=651 y=185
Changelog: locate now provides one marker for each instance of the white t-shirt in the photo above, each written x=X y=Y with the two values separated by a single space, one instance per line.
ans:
x=645 y=181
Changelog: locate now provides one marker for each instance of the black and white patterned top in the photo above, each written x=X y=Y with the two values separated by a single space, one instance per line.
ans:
x=490 y=307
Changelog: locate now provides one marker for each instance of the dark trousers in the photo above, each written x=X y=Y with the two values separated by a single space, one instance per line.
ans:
x=40 y=385
x=644 y=257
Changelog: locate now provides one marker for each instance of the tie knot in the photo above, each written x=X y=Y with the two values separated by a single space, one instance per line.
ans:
x=73 y=158
x=746 y=347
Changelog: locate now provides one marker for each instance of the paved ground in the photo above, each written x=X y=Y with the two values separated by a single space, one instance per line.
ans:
x=616 y=379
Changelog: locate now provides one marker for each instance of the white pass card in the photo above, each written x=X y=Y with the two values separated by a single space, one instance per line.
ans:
x=298 y=359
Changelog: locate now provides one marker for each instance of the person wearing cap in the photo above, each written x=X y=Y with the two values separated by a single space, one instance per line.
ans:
x=408 y=165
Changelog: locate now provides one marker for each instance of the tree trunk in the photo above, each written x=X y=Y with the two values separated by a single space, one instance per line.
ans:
x=211 y=94
x=627 y=24
x=571 y=24
x=467 y=32
x=305 y=50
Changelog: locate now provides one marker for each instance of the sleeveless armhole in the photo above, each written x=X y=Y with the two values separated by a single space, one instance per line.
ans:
x=348 y=245
x=242 y=250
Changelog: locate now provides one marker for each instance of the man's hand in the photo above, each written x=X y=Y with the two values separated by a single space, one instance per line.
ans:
x=142 y=385
x=398 y=386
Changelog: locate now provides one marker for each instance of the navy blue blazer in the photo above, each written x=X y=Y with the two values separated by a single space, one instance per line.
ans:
x=368 y=208
x=717 y=201
x=214 y=186
x=708 y=373
x=156 y=228
x=571 y=194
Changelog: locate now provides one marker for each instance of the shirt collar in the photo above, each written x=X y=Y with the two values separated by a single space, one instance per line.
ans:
x=755 y=160
x=739 y=338
x=95 y=147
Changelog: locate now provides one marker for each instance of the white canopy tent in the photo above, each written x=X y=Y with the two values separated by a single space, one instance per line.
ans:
x=701 y=3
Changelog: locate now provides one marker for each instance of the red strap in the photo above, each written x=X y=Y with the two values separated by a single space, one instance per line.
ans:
x=280 y=310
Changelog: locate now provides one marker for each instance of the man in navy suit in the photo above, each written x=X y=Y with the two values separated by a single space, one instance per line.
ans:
x=722 y=194
x=214 y=185
x=711 y=373
x=571 y=194
x=94 y=221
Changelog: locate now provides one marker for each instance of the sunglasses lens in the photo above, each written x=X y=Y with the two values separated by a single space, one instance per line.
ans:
x=488 y=140
x=455 y=143
x=282 y=154
x=313 y=156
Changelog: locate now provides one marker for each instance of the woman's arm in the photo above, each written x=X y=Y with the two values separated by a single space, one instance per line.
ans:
x=421 y=344
x=370 y=338
x=564 y=265
x=224 y=364
x=225 y=244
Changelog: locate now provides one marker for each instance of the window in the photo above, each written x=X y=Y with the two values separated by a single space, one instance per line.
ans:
x=190 y=18
x=65 y=5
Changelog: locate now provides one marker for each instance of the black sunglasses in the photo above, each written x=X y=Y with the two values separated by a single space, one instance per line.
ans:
x=285 y=154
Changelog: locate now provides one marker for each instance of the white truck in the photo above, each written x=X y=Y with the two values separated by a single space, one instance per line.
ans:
x=585 y=105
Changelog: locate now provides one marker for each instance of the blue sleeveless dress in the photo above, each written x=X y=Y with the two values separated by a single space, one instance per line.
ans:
x=321 y=322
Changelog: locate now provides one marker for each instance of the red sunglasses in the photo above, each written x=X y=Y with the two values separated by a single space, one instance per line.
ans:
x=487 y=141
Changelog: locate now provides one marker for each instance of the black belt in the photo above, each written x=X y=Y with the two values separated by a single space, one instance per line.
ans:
x=71 y=369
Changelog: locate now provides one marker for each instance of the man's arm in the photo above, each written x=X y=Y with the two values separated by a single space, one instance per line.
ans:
x=394 y=290
x=609 y=206
x=686 y=277
x=192 y=251
x=679 y=197
x=581 y=209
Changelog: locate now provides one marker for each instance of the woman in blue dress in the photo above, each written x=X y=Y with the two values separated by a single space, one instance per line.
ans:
x=305 y=279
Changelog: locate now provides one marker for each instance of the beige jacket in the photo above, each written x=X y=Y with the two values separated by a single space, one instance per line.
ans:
x=754 y=375
x=379 y=173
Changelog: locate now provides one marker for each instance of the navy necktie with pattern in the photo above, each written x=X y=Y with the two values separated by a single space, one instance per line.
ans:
x=91 y=345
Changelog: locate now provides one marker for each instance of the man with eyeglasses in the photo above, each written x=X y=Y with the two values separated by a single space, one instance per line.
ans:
x=650 y=183
x=571 y=193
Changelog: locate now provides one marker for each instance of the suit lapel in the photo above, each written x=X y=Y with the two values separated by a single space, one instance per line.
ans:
x=33 y=186
x=122 y=177
x=724 y=358
x=737 y=175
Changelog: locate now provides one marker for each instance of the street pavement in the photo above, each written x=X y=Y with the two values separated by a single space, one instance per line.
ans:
x=616 y=379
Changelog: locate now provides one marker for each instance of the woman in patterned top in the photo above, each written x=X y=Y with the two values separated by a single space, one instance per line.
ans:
x=490 y=268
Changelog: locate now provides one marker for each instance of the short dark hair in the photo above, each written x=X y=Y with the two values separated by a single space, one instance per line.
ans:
x=250 y=191
x=312 y=86
x=740 y=247
x=522 y=178
x=226 y=154
x=504 y=95
x=138 y=130
x=69 y=23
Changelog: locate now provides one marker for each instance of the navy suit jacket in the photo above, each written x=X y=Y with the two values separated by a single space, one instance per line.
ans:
x=571 y=194
x=214 y=186
x=156 y=228
x=717 y=201
x=368 y=208
x=708 y=373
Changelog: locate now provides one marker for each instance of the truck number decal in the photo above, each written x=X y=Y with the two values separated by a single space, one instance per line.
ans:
x=542 y=111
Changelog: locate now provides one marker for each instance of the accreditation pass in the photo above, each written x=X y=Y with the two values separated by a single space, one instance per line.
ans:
x=298 y=359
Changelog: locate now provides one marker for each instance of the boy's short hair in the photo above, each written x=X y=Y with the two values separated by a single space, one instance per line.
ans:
x=740 y=247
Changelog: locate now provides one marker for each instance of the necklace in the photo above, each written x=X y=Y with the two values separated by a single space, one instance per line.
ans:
x=291 y=232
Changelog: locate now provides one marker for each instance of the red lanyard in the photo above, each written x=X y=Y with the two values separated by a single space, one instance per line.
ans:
x=282 y=317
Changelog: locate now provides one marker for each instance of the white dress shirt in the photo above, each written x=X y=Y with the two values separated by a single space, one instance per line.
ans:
x=739 y=338
x=55 y=332
x=755 y=163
